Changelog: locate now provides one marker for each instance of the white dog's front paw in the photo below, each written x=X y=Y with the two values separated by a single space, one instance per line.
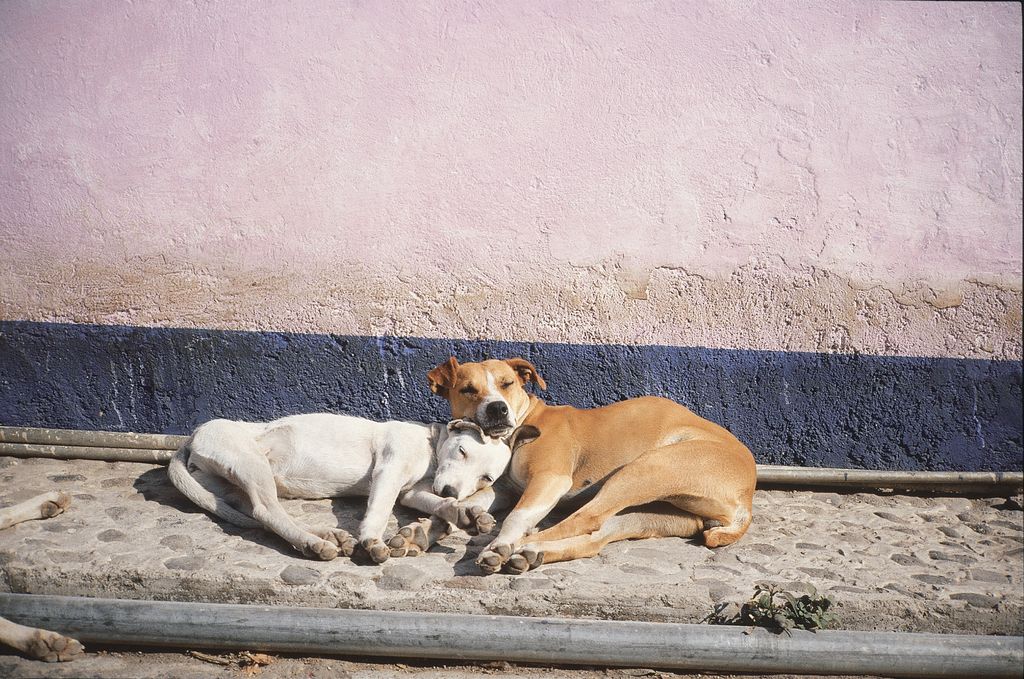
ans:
x=472 y=518
x=449 y=511
x=410 y=540
x=378 y=551
x=479 y=520
x=341 y=540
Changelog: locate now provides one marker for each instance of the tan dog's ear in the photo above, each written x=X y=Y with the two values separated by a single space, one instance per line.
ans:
x=442 y=377
x=522 y=434
x=526 y=371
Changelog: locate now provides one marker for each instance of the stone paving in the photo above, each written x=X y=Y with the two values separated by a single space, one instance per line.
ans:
x=890 y=562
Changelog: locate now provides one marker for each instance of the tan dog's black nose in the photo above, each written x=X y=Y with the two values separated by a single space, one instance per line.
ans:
x=497 y=409
x=449 y=491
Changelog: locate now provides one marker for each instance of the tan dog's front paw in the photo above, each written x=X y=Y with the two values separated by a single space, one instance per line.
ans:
x=56 y=506
x=524 y=560
x=479 y=520
x=52 y=647
x=378 y=551
x=410 y=540
x=493 y=558
x=342 y=539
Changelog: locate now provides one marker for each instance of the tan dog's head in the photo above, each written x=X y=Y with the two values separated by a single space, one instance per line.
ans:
x=489 y=393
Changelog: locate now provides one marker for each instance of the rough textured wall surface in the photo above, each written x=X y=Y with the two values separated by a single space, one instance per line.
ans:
x=801 y=219
x=789 y=408
x=836 y=177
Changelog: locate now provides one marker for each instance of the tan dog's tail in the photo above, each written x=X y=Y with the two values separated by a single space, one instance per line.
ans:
x=184 y=481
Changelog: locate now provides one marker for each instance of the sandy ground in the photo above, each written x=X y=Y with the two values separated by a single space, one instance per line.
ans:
x=121 y=664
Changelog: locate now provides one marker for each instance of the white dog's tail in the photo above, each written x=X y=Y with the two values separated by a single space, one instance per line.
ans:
x=183 y=480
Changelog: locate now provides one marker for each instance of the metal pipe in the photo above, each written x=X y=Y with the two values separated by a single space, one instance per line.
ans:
x=114 y=446
x=86 y=453
x=770 y=475
x=98 y=439
x=449 y=637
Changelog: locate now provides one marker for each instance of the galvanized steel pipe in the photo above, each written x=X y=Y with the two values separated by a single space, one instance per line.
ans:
x=86 y=453
x=83 y=437
x=158 y=449
x=770 y=475
x=450 y=637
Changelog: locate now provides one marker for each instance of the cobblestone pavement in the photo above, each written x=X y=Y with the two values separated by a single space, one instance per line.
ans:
x=890 y=562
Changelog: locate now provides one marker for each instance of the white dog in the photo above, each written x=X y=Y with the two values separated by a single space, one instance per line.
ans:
x=428 y=467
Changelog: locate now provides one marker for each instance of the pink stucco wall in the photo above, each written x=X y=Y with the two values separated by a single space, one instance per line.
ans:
x=823 y=176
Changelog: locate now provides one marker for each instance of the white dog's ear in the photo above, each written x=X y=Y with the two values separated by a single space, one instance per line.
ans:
x=465 y=425
x=526 y=371
x=521 y=435
x=442 y=378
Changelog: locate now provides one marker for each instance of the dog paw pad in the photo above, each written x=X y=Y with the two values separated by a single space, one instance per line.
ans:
x=524 y=560
x=480 y=521
x=378 y=551
x=338 y=537
x=51 y=508
x=321 y=549
x=490 y=562
x=410 y=540
x=52 y=647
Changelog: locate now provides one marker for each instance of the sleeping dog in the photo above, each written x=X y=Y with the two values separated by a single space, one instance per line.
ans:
x=433 y=468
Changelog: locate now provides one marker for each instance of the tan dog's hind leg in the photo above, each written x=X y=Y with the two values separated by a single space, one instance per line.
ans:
x=720 y=536
x=671 y=522
x=40 y=507
x=688 y=475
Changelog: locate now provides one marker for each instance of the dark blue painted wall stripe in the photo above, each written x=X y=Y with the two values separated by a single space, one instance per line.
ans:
x=790 y=408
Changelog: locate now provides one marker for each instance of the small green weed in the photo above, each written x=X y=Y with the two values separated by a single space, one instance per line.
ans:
x=778 y=610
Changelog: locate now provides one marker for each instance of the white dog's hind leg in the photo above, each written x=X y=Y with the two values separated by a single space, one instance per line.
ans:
x=255 y=477
x=40 y=507
x=40 y=644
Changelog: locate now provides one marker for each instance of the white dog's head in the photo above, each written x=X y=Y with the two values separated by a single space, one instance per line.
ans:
x=468 y=460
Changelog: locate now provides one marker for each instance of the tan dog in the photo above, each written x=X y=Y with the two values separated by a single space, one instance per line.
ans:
x=638 y=451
